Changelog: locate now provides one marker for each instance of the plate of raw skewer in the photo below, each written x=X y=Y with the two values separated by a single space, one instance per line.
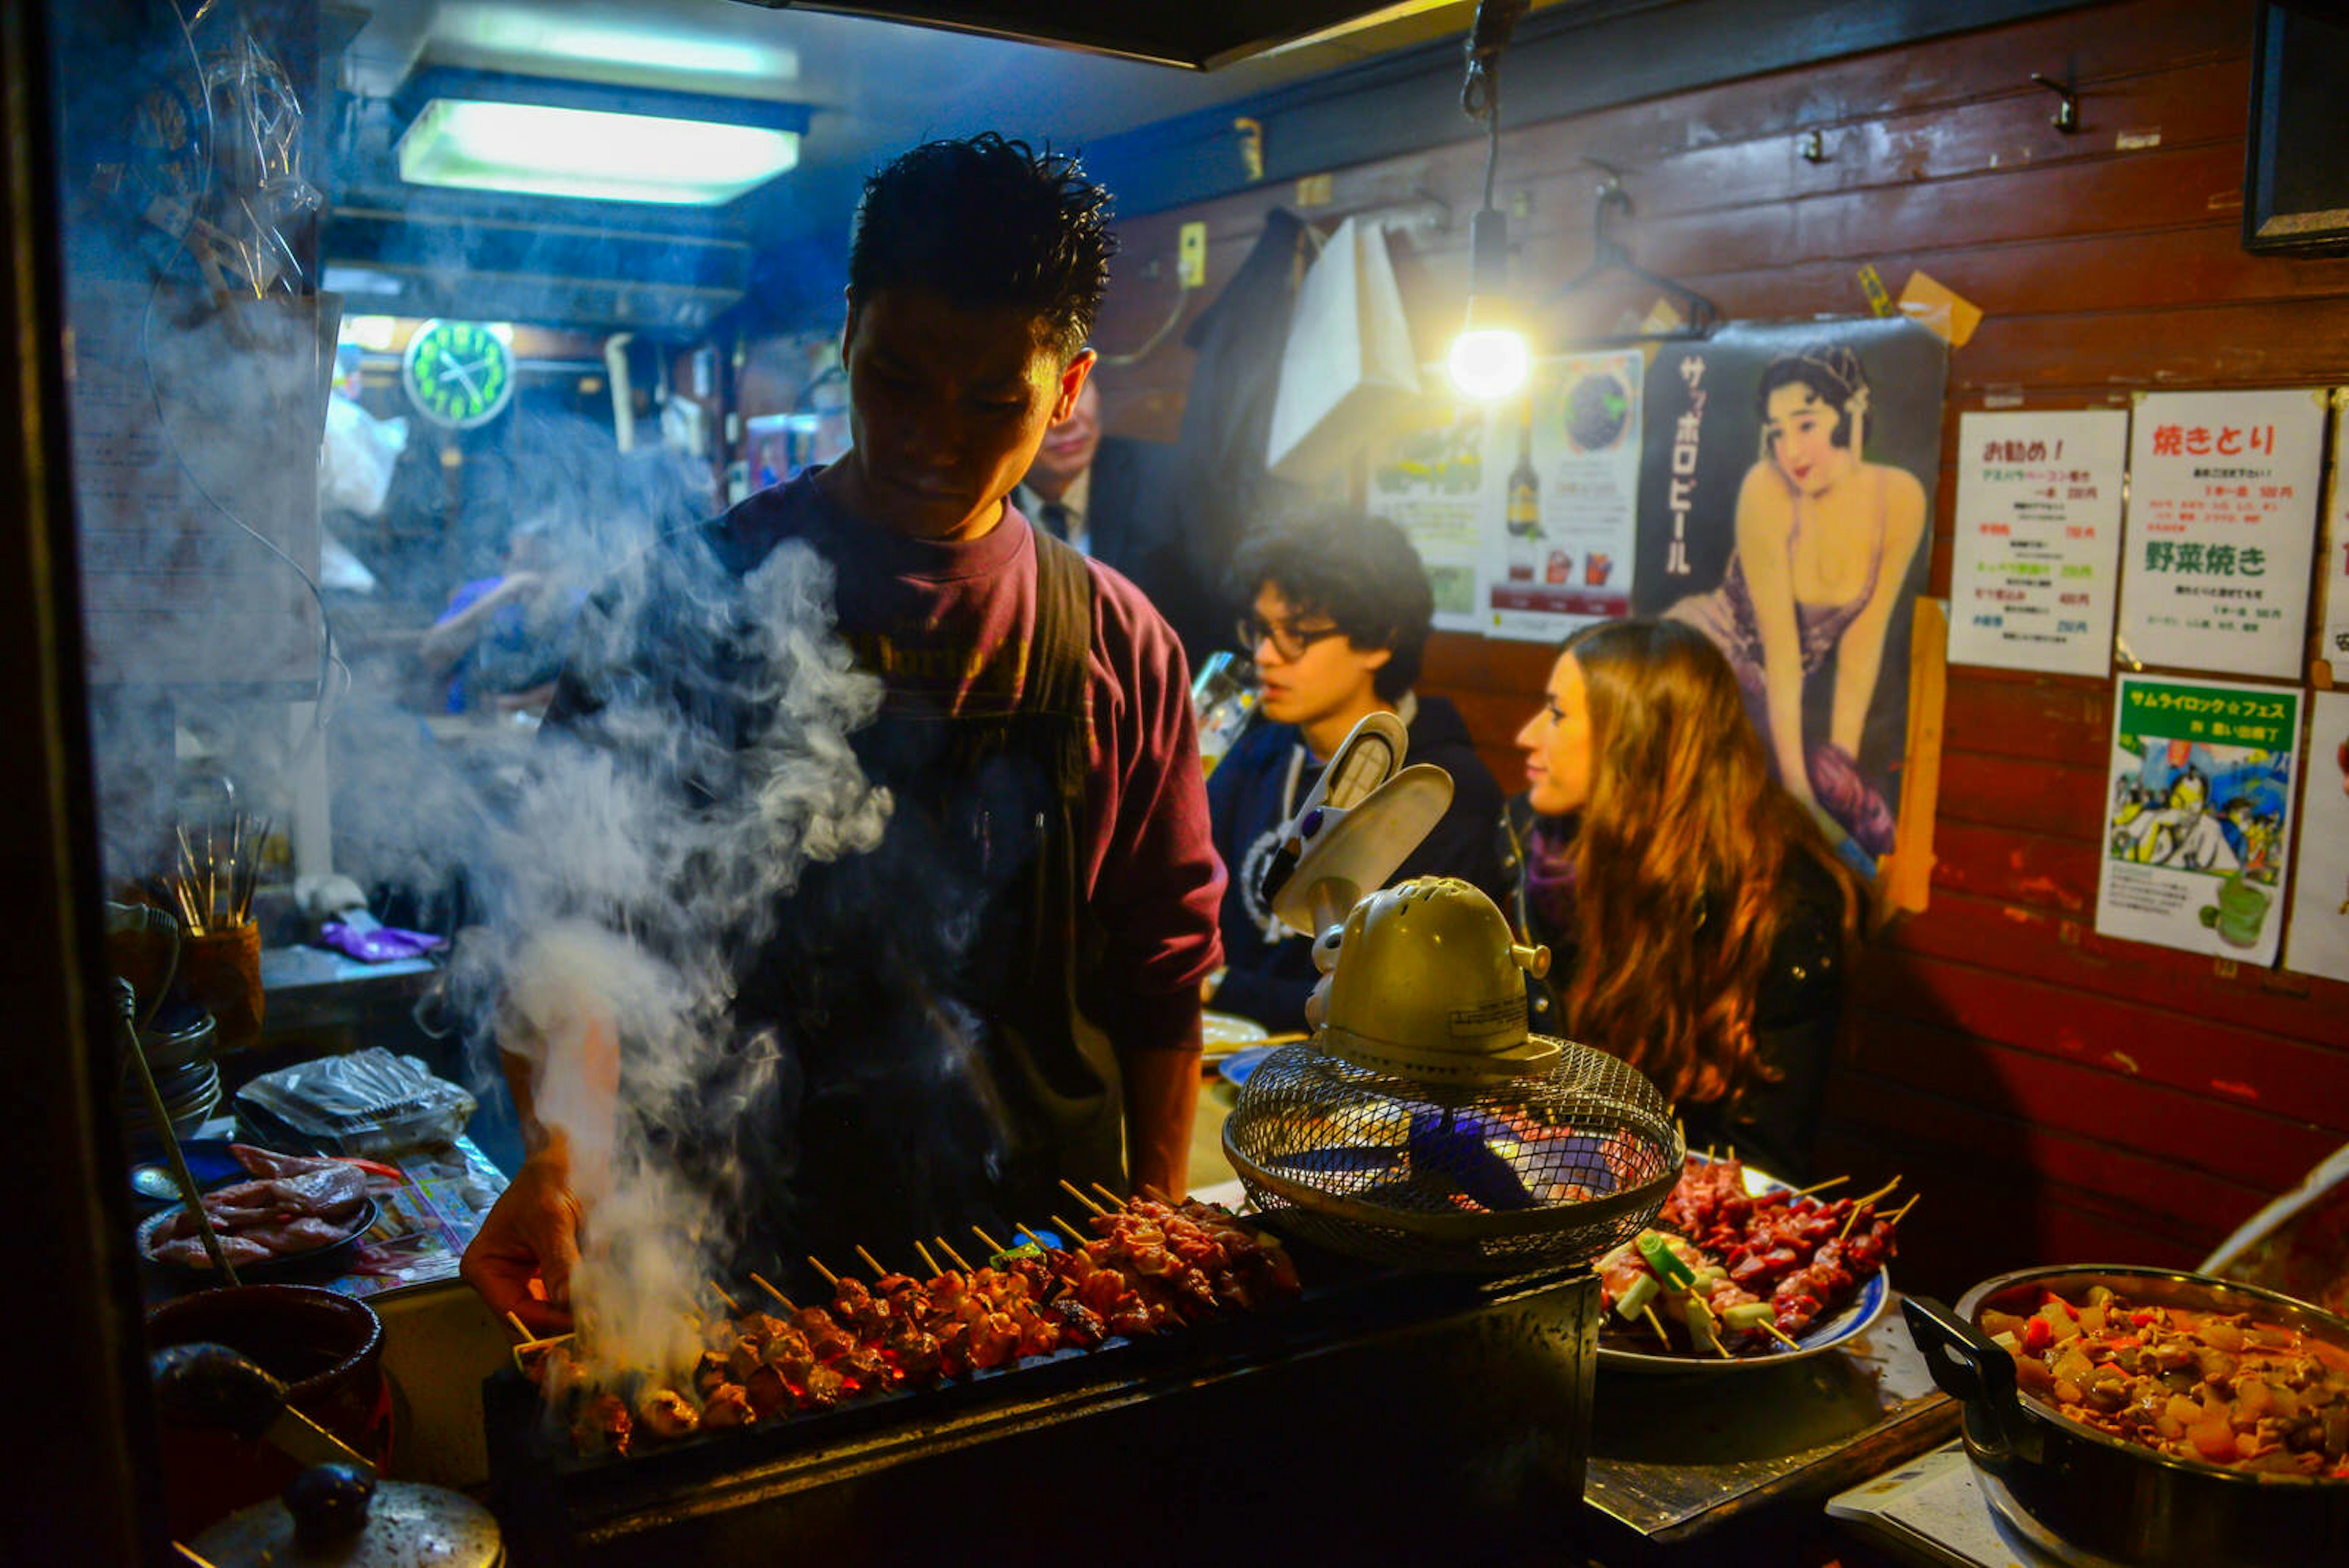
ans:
x=1130 y=1268
x=1742 y=1270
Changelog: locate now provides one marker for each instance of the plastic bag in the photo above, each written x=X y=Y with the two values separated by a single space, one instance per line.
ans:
x=370 y=1102
x=358 y=457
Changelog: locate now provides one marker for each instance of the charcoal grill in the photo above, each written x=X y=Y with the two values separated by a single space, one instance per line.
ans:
x=1381 y=1413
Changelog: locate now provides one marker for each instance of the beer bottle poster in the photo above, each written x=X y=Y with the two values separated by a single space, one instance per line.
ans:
x=1562 y=485
x=1786 y=502
x=1429 y=479
x=2198 y=815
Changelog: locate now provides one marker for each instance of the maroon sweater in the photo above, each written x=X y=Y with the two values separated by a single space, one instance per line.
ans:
x=947 y=627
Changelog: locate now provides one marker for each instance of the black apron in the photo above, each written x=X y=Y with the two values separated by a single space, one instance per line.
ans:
x=921 y=998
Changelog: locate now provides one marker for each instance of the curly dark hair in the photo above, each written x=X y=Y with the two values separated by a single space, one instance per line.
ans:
x=990 y=224
x=1361 y=571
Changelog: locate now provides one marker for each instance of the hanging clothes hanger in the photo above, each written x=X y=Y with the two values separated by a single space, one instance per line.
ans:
x=1609 y=259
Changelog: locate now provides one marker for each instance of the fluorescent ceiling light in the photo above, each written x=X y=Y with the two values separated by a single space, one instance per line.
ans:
x=532 y=37
x=546 y=151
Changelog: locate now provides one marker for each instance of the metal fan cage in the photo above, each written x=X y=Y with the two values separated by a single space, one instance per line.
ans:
x=1546 y=1170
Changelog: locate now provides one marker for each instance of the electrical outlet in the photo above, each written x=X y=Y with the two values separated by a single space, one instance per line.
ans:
x=1191 y=255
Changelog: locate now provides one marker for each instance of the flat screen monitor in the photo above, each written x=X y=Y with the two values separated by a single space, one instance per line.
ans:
x=2296 y=179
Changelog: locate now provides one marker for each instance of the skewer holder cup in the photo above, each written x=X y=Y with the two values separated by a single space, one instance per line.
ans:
x=221 y=971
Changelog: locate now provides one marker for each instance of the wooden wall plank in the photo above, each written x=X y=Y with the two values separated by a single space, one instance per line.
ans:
x=1909 y=1132
x=2123 y=1043
x=2034 y=718
x=2033 y=868
x=2065 y=952
x=2005 y=791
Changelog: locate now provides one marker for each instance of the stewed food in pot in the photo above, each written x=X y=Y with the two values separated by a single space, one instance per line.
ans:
x=2219 y=1388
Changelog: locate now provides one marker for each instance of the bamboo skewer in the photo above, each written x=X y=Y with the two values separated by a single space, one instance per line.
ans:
x=1902 y=1213
x=1024 y=1230
x=1114 y=1201
x=994 y=1247
x=1079 y=1194
x=520 y=1327
x=1076 y=1233
x=1860 y=1203
x=768 y=1285
x=928 y=1261
x=1883 y=1191
x=731 y=1304
x=1821 y=1186
x=1780 y=1336
x=871 y=1263
x=829 y=1277
x=950 y=1252
x=1658 y=1324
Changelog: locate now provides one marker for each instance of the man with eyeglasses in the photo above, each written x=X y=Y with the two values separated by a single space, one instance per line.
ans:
x=1340 y=618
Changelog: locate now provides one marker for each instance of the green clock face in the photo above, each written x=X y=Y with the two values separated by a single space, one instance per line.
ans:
x=460 y=373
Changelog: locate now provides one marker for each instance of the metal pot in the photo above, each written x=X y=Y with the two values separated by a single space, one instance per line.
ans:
x=2077 y=1492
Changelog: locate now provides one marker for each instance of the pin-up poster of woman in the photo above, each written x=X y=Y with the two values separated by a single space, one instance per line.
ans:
x=1786 y=500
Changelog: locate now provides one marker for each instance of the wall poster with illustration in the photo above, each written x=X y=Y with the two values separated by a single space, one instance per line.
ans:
x=2198 y=817
x=1785 y=503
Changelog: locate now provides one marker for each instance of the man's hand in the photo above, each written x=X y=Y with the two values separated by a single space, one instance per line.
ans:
x=531 y=1233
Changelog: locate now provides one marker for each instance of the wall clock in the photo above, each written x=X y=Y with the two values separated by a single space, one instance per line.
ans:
x=457 y=373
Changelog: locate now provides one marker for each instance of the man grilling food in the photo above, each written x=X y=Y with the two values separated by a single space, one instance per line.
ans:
x=1003 y=993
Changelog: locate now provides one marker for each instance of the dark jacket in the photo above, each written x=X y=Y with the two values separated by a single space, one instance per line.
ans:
x=1221 y=486
x=1127 y=521
x=1796 y=1015
x=1249 y=802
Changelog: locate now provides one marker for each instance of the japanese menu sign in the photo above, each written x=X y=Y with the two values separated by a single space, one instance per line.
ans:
x=2197 y=818
x=2319 y=940
x=1562 y=498
x=2221 y=529
x=2037 y=539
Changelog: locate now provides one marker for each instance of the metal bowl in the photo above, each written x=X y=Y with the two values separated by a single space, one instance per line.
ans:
x=2081 y=1492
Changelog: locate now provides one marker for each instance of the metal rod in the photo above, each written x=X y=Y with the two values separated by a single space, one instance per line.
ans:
x=189 y=1193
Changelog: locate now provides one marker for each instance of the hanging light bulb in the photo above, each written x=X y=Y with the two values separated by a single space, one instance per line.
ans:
x=1490 y=359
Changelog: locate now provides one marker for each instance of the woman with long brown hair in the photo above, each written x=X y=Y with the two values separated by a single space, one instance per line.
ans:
x=1699 y=925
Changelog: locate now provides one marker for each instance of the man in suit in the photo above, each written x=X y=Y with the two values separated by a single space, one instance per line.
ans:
x=1112 y=497
x=1085 y=488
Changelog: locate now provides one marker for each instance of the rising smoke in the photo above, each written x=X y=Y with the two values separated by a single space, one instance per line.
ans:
x=612 y=882
x=643 y=860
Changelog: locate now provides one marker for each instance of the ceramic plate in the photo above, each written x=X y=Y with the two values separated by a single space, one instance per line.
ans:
x=1236 y=1067
x=1221 y=1034
x=1619 y=1350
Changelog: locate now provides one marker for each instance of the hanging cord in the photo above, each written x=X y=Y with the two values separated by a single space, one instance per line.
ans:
x=1165 y=330
x=1480 y=91
x=1480 y=94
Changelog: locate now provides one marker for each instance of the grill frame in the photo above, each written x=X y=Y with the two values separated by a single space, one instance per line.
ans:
x=1381 y=1407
